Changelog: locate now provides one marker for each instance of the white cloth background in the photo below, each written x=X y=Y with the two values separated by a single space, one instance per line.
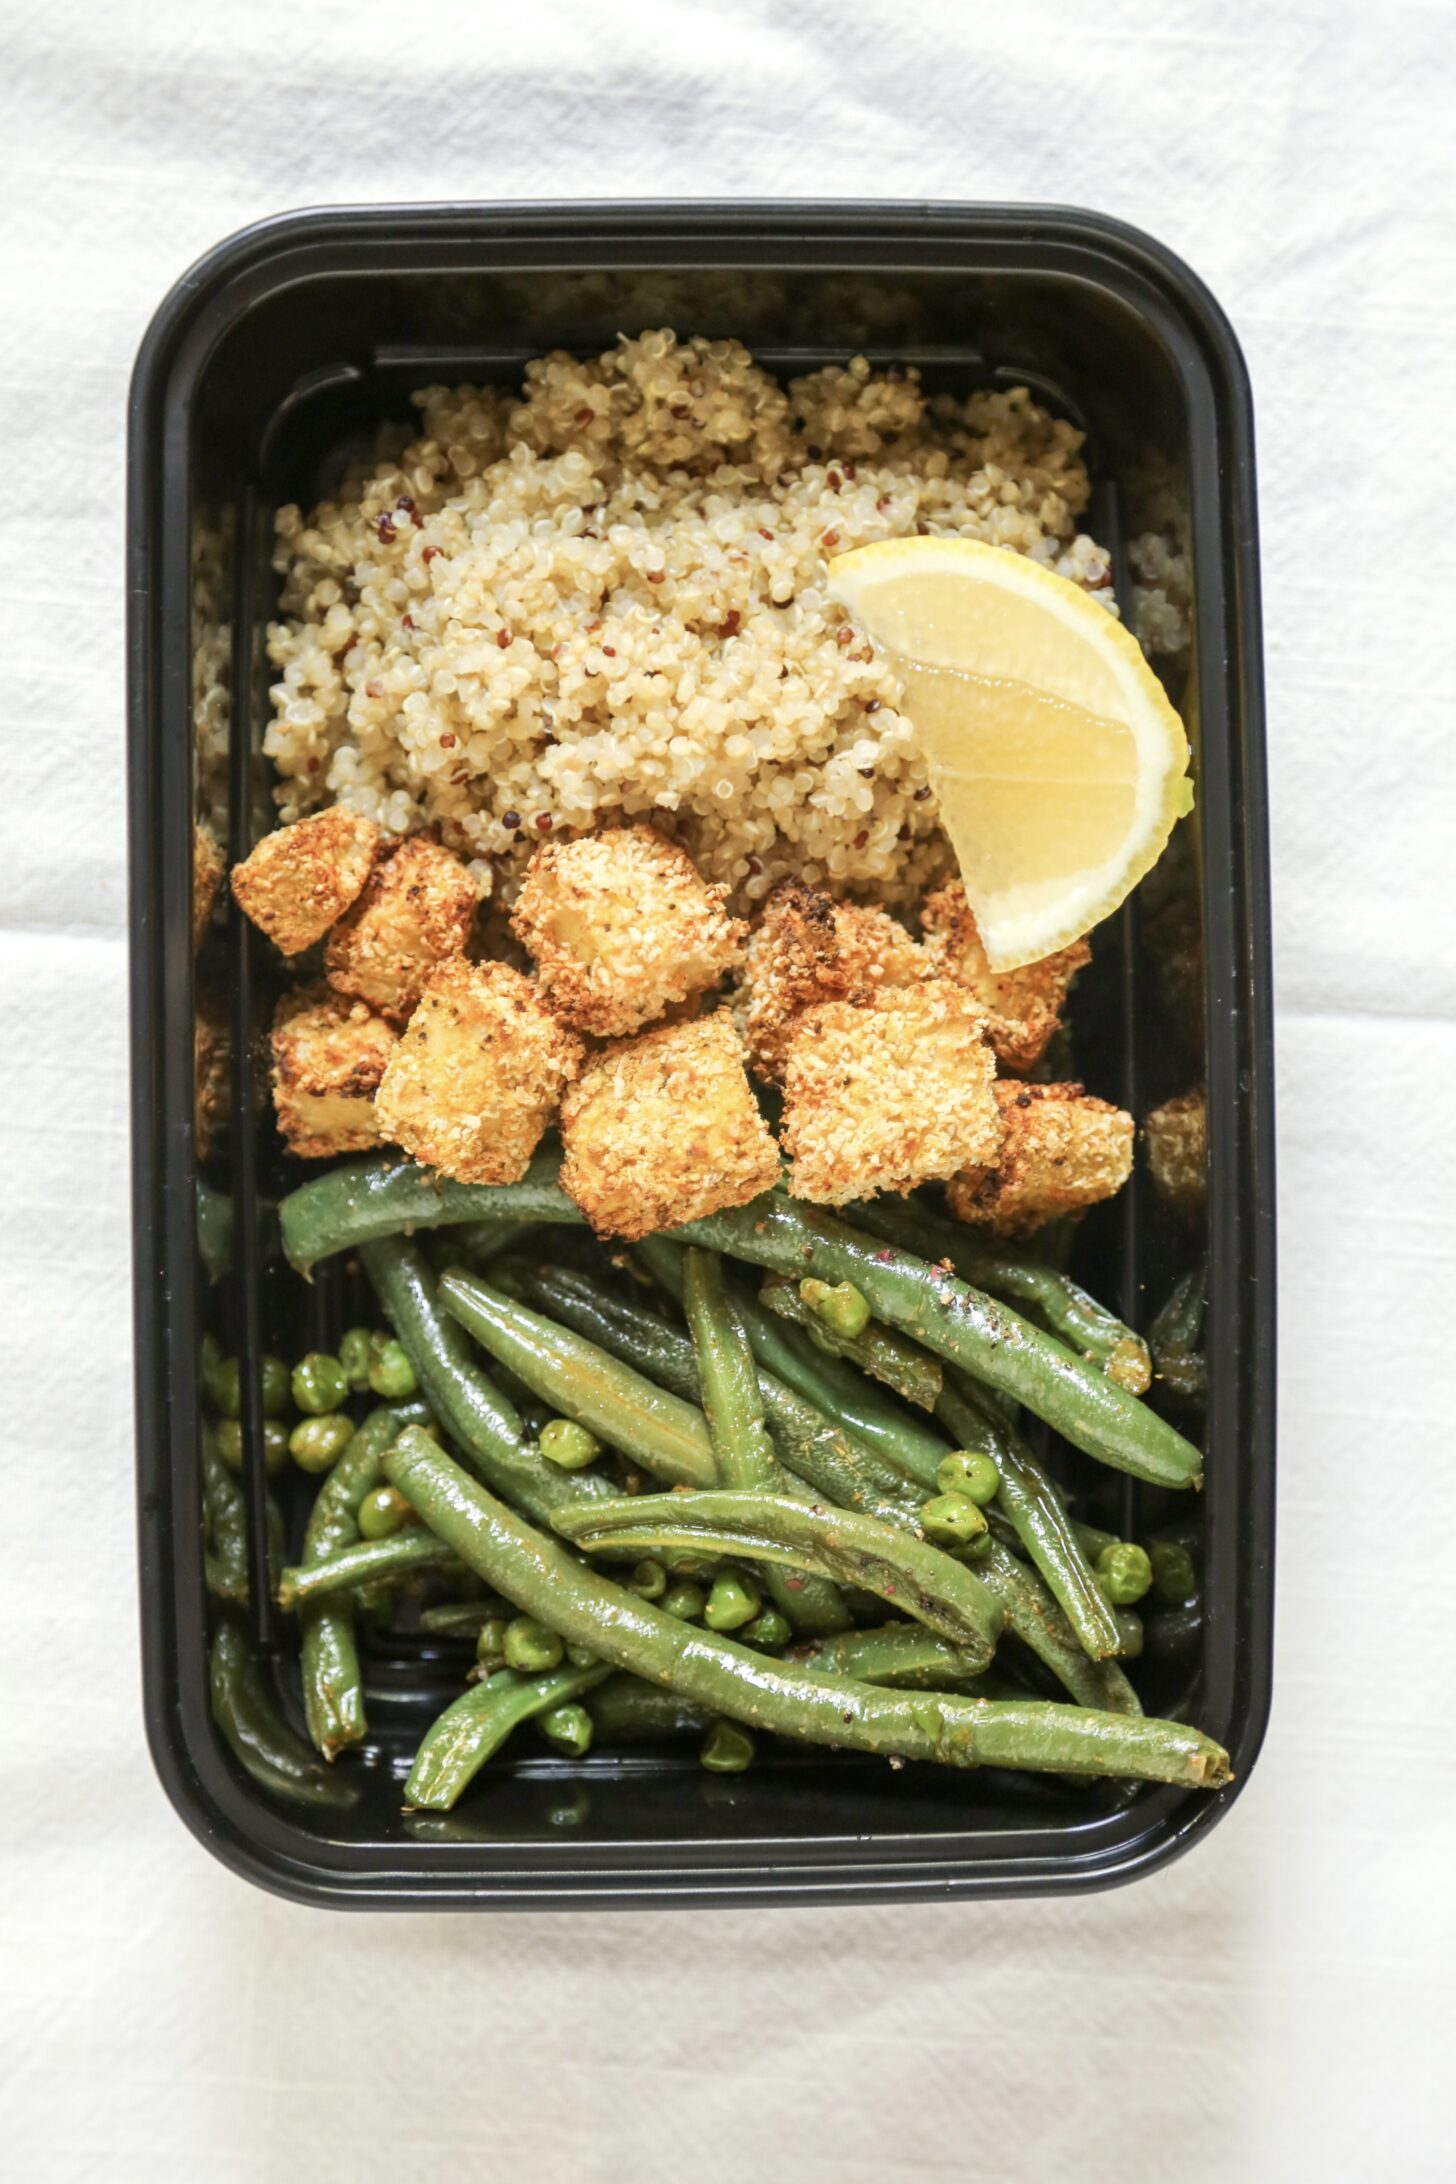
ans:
x=1279 y=2004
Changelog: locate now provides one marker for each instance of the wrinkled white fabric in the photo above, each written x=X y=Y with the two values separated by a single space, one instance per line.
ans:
x=1279 y=2004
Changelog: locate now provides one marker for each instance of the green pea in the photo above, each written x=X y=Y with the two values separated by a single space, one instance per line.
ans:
x=274 y=1378
x=226 y=1388
x=568 y=1726
x=383 y=1512
x=732 y=1602
x=685 y=1601
x=726 y=1749
x=1124 y=1572
x=581 y=1656
x=228 y=1436
x=841 y=1306
x=648 y=1579
x=967 y=1471
x=1175 y=1580
x=1130 y=1636
x=952 y=1520
x=317 y=1443
x=490 y=1642
x=530 y=1647
x=390 y=1371
x=319 y=1384
x=768 y=1629
x=569 y=1445
x=354 y=1354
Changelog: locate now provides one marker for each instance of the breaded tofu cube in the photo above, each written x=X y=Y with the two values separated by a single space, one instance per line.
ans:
x=208 y=866
x=414 y=914
x=1025 y=1006
x=477 y=1075
x=1177 y=1140
x=329 y=1054
x=212 y=1091
x=299 y=879
x=1062 y=1150
x=664 y=1129
x=883 y=1094
x=806 y=949
x=620 y=927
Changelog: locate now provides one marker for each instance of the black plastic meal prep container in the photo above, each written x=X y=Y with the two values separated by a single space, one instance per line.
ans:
x=275 y=356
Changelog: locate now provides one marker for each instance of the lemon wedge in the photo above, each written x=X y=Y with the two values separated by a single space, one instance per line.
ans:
x=1060 y=766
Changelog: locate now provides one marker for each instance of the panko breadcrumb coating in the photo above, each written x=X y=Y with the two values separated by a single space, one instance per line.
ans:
x=212 y=1091
x=477 y=1075
x=806 y=949
x=1062 y=1150
x=1177 y=1140
x=664 y=1129
x=887 y=1093
x=1025 y=1006
x=298 y=880
x=208 y=866
x=604 y=596
x=329 y=1054
x=621 y=928
x=415 y=912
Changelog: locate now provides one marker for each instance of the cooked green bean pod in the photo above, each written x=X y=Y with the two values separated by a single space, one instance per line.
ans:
x=913 y=1373
x=367 y=1199
x=462 y=1739
x=250 y=1719
x=588 y=1609
x=406 y=1554
x=625 y=1710
x=1036 y=1619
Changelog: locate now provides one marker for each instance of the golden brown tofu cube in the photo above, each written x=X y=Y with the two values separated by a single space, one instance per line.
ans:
x=299 y=879
x=208 y=865
x=478 y=1073
x=806 y=949
x=664 y=1129
x=212 y=1054
x=1062 y=1150
x=621 y=927
x=1025 y=1006
x=415 y=913
x=1177 y=1140
x=329 y=1054
x=883 y=1094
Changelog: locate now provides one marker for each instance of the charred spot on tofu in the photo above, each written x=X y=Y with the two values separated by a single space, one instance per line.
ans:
x=1176 y=1135
x=208 y=866
x=415 y=913
x=1024 y=1006
x=883 y=1094
x=664 y=1129
x=621 y=928
x=477 y=1075
x=1061 y=1150
x=212 y=1092
x=808 y=949
x=329 y=1055
x=298 y=880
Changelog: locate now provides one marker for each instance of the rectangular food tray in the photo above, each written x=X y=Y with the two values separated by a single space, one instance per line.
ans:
x=275 y=355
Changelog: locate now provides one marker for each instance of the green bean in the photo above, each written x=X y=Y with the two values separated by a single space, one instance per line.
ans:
x=480 y=1243
x=1042 y=1525
x=987 y=1339
x=405 y=1555
x=913 y=1373
x=260 y=1739
x=909 y=1450
x=1036 y=1619
x=474 y=1411
x=665 y=1435
x=333 y=1688
x=726 y=1749
x=368 y=1199
x=1084 y=1324
x=459 y=1618
x=457 y=1746
x=490 y=1643
x=729 y=1678
x=626 y=1710
x=834 y=1543
x=1176 y=1335
x=742 y=1451
x=892 y=1653
x=225 y=1525
x=811 y=1445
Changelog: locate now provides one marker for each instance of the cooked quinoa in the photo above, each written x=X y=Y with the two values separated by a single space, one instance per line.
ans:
x=605 y=597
